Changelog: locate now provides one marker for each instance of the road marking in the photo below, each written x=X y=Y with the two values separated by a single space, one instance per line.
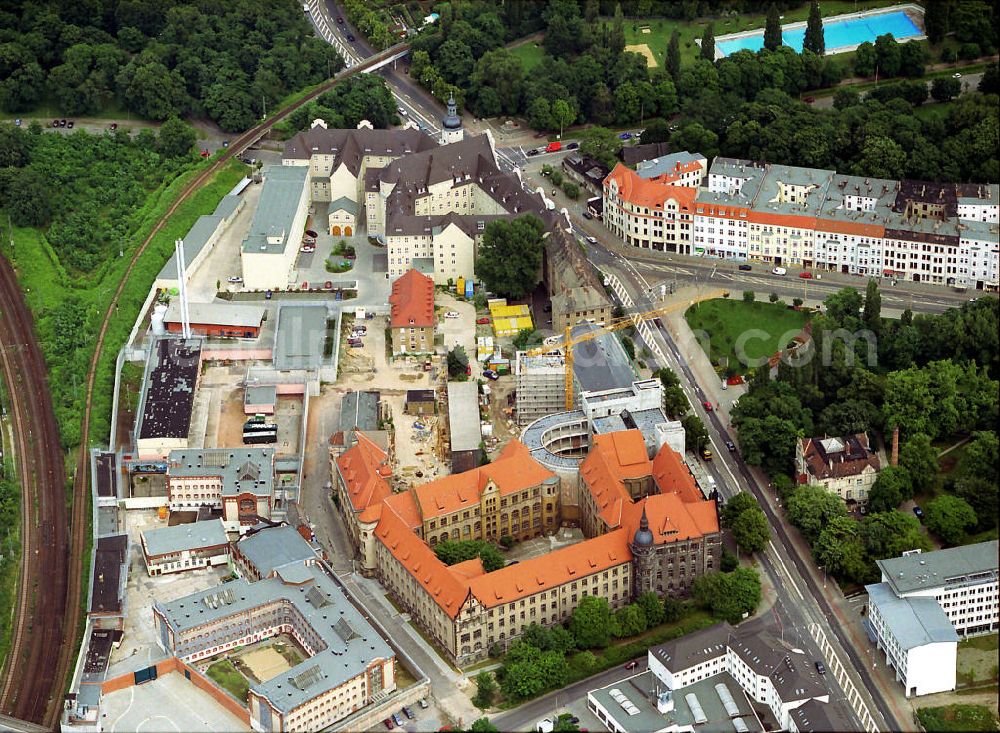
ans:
x=785 y=570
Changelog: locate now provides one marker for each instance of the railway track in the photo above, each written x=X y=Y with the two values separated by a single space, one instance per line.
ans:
x=27 y=691
x=41 y=674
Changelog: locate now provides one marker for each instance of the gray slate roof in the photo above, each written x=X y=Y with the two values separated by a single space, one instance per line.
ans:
x=359 y=410
x=913 y=622
x=244 y=469
x=967 y=564
x=273 y=548
x=181 y=537
x=221 y=314
x=199 y=234
x=282 y=190
x=299 y=336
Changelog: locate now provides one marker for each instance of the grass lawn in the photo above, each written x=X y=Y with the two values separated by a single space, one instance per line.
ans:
x=229 y=679
x=757 y=330
x=957 y=718
x=530 y=53
x=977 y=661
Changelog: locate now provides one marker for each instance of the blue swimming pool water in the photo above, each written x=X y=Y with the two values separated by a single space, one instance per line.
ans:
x=837 y=33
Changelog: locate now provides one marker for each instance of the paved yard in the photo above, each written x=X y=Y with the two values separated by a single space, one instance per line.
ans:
x=169 y=703
x=544 y=545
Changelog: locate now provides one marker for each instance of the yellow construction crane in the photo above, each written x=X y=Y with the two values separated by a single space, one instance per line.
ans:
x=568 y=341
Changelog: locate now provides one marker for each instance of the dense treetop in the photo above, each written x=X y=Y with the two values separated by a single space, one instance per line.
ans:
x=224 y=61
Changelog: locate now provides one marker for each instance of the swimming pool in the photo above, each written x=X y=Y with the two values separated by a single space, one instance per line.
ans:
x=838 y=32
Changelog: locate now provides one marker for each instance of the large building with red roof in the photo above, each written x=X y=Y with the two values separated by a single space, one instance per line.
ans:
x=411 y=315
x=649 y=529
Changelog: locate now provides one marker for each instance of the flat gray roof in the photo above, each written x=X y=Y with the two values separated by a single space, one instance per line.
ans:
x=913 y=622
x=955 y=566
x=241 y=469
x=600 y=363
x=274 y=547
x=199 y=234
x=348 y=643
x=463 y=416
x=279 y=199
x=359 y=410
x=665 y=163
x=261 y=395
x=221 y=314
x=181 y=537
x=299 y=336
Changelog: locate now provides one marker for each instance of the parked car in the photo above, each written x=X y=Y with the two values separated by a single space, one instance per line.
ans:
x=361 y=328
x=307 y=248
x=531 y=152
x=267 y=294
x=204 y=153
x=625 y=136
x=355 y=343
x=809 y=100
x=540 y=134
x=918 y=511
x=745 y=268
x=491 y=375
x=483 y=321
x=407 y=712
x=572 y=146
x=820 y=667
x=114 y=126
x=388 y=723
x=69 y=125
x=350 y=38
x=340 y=20
x=62 y=123
x=235 y=279
x=731 y=446
x=632 y=665
x=423 y=703
x=396 y=719
x=17 y=122
x=707 y=405
x=225 y=143
x=451 y=314
x=55 y=123
x=706 y=454
x=587 y=215
x=806 y=275
x=956 y=75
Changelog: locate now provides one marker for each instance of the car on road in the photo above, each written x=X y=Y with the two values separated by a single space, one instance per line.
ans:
x=451 y=314
x=388 y=723
x=235 y=279
x=401 y=111
x=483 y=321
x=706 y=454
x=707 y=405
x=491 y=375
x=731 y=446
x=587 y=215
x=572 y=146
x=779 y=271
x=340 y=20
x=625 y=136
x=918 y=511
x=592 y=240
x=632 y=665
x=350 y=38
x=531 y=152
x=806 y=275
x=820 y=667
x=745 y=268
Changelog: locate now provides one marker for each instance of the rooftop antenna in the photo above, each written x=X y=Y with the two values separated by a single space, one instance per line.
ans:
x=182 y=279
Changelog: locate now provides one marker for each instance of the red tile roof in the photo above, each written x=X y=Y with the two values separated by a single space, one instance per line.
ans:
x=650 y=193
x=365 y=469
x=412 y=301
x=673 y=477
x=671 y=519
x=614 y=457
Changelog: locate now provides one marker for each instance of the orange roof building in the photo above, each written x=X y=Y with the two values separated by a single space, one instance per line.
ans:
x=411 y=315
x=649 y=213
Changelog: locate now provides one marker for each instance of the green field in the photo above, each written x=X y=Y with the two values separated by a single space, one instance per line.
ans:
x=755 y=330
x=957 y=718
x=226 y=676
x=660 y=29
x=530 y=53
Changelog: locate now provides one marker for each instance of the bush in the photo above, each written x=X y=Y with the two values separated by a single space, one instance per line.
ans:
x=969 y=51
x=749 y=296
x=557 y=178
x=506 y=541
x=486 y=690
x=948 y=55
x=729 y=563
x=571 y=189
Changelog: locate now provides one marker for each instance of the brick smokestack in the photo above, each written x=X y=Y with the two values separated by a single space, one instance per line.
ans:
x=895 y=446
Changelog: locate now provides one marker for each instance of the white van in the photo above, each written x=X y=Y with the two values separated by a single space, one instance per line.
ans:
x=779 y=271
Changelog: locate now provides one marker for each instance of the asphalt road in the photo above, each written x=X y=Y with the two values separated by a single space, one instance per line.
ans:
x=969 y=84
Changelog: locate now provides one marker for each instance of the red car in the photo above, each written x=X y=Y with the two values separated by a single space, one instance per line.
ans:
x=707 y=406
x=806 y=275
x=204 y=152
x=389 y=724
x=483 y=321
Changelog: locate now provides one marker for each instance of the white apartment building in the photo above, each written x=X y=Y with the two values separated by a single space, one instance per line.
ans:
x=272 y=242
x=961 y=582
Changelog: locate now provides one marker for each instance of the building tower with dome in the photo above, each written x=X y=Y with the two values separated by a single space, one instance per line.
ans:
x=644 y=558
x=451 y=125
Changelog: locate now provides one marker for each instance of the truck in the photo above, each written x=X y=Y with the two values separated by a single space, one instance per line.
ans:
x=545 y=725
x=553 y=147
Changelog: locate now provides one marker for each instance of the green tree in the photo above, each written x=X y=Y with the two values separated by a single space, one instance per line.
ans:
x=919 y=459
x=673 y=610
x=912 y=59
x=872 y=315
x=540 y=113
x=950 y=517
x=616 y=38
x=176 y=138
x=891 y=488
x=28 y=198
x=839 y=550
x=769 y=442
x=890 y=534
x=652 y=607
x=563 y=113
x=695 y=434
x=811 y=508
x=695 y=137
x=814 y=40
x=729 y=595
x=673 y=57
x=751 y=530
x=945 y=88
x=592 y=623
x=675 y=402
x=458 y=362
x=486 y=690
x=510 y=256
x=887 y=55
x=656 y=131
x=483 y=725
x=630 y=620
x=734 y=507
x=601 y=144
x=526 y=337
x=708 y=43
x=772 y=29
x=881 y=157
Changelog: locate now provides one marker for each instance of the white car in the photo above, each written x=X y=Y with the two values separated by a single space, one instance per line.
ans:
x=401 y=111
x=451 y=314
x=956 y=75
x=236 y=279
x=592 y=240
